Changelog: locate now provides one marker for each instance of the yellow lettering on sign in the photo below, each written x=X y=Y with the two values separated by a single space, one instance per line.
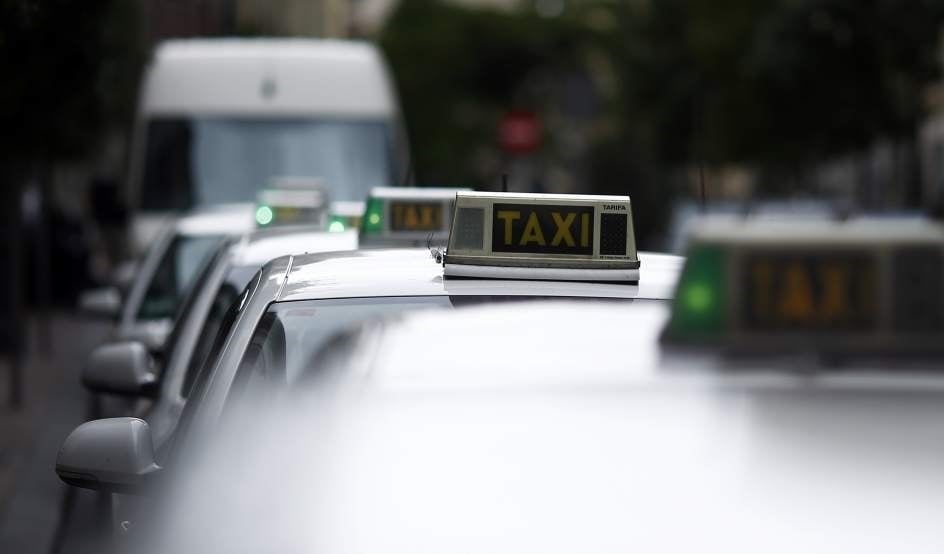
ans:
x=397 y=215
x=426 y=213
x=412 y=218
x=797 y=302
x=563 y=229
x=833 y=306
x=532 y=231
x=508 y=216
x=585 y=230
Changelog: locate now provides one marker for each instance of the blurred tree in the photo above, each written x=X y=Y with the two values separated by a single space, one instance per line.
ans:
x=458 y=69
x=779 y=83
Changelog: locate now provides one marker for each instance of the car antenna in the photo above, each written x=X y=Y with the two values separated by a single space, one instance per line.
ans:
x=504 y=182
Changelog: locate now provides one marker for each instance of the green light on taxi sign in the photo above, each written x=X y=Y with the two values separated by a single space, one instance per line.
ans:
x=373 y=216
x=700 y=299
x=337 y=224
x=860 y=287
x=264 y=215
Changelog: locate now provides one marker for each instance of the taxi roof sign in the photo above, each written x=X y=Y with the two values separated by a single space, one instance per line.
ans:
x=864 y=286
x=542 y=236
x=292 y=201
x=407 y=216
x=345 y=214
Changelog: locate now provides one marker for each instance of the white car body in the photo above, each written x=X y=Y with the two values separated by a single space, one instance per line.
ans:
x=499 y=429
x=350 y=284
x=371 y=274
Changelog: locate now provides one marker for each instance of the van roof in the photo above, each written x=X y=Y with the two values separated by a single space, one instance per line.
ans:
x=268 y=77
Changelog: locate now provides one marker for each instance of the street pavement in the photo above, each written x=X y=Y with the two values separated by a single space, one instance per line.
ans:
x=32 y=499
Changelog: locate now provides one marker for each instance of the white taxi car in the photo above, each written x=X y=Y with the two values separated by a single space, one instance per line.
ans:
x=295 y=303
x=790 y=400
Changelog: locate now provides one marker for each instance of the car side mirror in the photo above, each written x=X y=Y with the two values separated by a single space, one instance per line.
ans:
x=108 y=455
x=102 y=303
x=125 y=368
x=153 y=334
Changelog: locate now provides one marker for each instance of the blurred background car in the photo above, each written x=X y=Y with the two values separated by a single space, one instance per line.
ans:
x=166 y=274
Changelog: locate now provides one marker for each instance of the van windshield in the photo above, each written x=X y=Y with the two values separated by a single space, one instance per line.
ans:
x=199 y=161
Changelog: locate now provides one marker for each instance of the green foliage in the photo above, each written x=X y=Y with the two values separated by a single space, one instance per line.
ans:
x=778 y=81
x=459 y=69
x=778 y=85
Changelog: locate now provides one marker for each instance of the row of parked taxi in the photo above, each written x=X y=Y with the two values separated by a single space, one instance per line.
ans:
x=516 y=376
x=336 y=369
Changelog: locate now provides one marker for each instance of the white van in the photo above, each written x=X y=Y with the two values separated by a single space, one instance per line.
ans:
x=219 y=118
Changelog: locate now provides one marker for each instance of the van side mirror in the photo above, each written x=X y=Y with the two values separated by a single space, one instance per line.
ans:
x=104 y=303
x=108 y=455
x=125 y=368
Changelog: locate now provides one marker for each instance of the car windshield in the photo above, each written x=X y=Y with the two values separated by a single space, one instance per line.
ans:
x=174 y=275
x=192 y=162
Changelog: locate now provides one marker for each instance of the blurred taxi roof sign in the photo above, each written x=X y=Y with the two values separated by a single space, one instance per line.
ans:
x=407 y=216
x=862 y=286
x=345 y=214
x=566 y=237
x=292 y=201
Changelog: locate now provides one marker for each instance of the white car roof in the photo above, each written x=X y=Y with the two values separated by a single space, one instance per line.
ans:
x=266 y=76
x=412 y=272
x=261 y=246
x=540 y=344
x=232 y=219
x=597 y=342
x=569 y=434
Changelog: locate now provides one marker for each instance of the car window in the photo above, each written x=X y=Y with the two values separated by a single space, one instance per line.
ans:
x=215 y=160
x=174 y=274
x=196 y=387
x=236 y=279
x=186 y=307
x=291 y=333
x=218 y=317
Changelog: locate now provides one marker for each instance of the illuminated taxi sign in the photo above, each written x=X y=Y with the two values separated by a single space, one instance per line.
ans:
x=535 y=236
x=407 y=216
x=345 y=215
x=287 y=206
x=860 y=286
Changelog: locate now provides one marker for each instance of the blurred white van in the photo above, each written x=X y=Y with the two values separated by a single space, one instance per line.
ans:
x=218 y=119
